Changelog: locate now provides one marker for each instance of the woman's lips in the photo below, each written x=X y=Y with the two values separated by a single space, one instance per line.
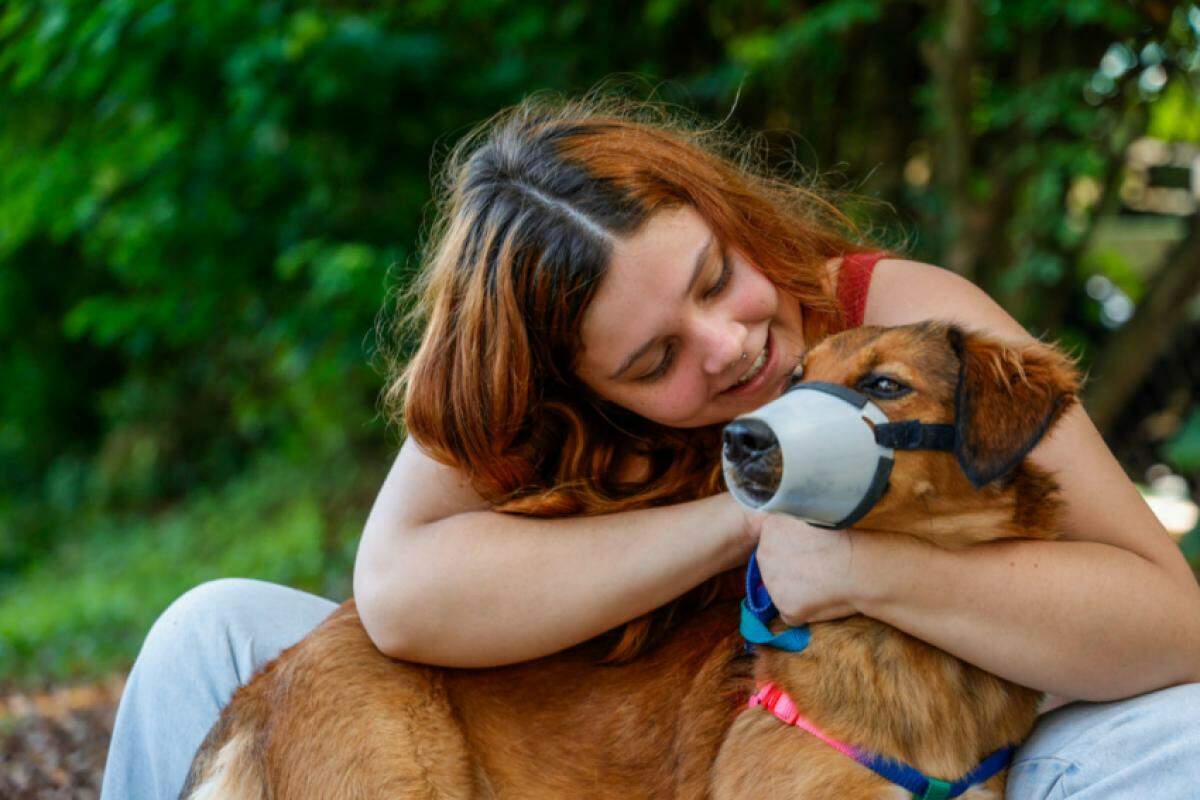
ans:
x=756 y=383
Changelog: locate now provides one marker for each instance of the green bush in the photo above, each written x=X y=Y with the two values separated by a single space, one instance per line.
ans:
x=85 y=611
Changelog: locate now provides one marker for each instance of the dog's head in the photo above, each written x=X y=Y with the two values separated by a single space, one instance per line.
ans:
x=989 y=405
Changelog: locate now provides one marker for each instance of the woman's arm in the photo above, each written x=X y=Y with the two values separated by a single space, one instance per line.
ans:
x=1082 y=620
x=439 y=580
x=1110 y=611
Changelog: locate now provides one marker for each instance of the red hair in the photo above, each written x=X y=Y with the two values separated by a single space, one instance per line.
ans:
x=528 y=207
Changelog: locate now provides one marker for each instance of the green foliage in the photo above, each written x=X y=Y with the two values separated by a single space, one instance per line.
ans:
x=1177 y=116
x=1183 y=450
x=85 y=612
x=1190 y=545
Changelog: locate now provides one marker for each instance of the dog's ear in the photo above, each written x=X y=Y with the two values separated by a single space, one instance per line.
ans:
x=1007 y=398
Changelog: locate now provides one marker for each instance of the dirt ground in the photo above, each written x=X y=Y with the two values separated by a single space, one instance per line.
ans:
x=53 y=742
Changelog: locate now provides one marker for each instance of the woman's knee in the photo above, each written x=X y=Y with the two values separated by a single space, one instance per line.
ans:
x=1150 y=743
x=236 y=623
x=213 y=607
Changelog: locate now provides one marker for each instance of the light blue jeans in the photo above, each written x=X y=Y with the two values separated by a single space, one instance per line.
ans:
x=213 y=638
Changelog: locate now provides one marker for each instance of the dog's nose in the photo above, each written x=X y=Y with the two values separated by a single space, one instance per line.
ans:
x=747 y=439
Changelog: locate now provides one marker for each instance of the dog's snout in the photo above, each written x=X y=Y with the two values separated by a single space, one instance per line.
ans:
x=748 y=439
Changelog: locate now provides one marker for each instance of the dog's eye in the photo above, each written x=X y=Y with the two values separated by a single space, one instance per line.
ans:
x=883 y=387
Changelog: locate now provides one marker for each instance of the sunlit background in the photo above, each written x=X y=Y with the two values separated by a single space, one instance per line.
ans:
x=204 y=205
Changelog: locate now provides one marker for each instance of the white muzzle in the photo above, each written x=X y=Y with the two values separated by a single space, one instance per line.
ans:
x=833 y=470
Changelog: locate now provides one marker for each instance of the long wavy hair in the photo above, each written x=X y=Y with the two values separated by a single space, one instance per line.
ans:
x=527 y=208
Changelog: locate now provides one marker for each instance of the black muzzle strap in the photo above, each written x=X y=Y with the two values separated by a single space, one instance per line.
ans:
x=914 y=435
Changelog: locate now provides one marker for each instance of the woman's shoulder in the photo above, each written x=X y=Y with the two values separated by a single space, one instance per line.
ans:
x=879 y=288
x=903 y=291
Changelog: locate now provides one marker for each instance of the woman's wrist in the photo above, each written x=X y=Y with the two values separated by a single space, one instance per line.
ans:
x=879 y=562
x=739 y=528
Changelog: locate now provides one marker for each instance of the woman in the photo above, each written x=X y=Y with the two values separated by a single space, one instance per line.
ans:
x=602 y=290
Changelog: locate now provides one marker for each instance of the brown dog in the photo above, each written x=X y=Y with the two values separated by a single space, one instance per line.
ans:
x=333 y=718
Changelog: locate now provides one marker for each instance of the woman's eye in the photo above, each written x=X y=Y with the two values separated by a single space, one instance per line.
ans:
x=661 y=369
x=884 y=387
x=722 y=281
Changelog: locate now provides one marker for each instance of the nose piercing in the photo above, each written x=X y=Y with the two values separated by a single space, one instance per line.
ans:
x=744 y=356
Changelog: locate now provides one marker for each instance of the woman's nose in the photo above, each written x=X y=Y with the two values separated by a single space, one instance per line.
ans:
x=722 y=343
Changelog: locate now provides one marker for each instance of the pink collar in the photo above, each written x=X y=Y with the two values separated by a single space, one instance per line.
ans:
x=770 y=697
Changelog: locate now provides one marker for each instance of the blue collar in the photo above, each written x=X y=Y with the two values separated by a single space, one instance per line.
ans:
x=924 y=787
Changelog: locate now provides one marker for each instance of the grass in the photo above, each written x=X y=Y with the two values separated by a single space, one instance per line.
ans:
x=83 y=613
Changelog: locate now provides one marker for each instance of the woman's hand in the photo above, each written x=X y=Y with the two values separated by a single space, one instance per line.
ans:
x=809 y=572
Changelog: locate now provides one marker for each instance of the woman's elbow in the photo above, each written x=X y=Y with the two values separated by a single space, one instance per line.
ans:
x=382 y=615
x=383 y=605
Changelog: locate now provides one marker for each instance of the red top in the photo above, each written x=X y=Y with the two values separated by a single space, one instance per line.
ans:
x=853 y=281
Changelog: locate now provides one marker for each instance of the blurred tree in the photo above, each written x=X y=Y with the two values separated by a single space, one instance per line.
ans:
x=998 y=132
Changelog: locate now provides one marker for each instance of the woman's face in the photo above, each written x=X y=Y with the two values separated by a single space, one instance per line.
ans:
x=665 y=333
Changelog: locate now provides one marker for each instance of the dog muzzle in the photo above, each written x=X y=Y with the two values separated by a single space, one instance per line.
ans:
x=821 y=452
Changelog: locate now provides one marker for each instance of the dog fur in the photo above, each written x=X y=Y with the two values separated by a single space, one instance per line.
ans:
x=333 y=718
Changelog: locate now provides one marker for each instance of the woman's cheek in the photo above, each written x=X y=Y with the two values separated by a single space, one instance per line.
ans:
x=674 y=405
x=689 y=400
x=755 y=284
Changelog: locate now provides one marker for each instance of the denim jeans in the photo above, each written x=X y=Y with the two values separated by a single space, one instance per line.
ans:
x=213 y=638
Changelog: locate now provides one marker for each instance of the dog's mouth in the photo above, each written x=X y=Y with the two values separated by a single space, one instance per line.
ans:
x=754 y=462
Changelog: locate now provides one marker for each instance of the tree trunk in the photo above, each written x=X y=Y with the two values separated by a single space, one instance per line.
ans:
x=950 y=61
x=1134 y=349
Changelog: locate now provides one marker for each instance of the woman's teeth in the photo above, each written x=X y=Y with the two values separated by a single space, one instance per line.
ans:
x=754 y=368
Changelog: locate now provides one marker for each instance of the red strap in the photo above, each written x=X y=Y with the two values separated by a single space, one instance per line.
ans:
x=853 y=282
